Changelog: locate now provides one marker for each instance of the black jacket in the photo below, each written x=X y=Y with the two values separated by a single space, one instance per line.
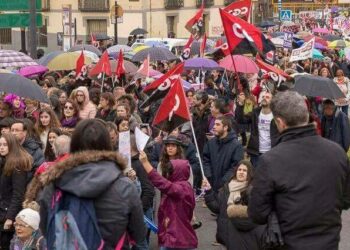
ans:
x=234 y=233
x=200 y=119
x=305 y=179
x=97 y=175
x=108 y=117
x=220 y=157
x=33 y=147
x=253 y=119
x=12 y=189
x=147 y=189
x=339 y=130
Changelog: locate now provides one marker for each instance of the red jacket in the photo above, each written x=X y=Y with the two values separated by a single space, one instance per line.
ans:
x=176 y=207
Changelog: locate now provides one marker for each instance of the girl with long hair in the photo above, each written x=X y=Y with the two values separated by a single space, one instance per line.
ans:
x=70 y=115
x=15 y=164
x=47 y=120
x=51 y=137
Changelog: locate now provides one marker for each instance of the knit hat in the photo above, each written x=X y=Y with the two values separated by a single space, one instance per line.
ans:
x=30 y=217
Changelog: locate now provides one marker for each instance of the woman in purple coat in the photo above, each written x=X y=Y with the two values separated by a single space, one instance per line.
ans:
x=176 y=205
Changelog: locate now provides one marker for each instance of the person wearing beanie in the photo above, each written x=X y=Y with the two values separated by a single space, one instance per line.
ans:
x=28 y=235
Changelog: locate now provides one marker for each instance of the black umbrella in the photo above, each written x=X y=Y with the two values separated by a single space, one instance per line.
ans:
x=266 y=24
x=100 y=37
x=138 y=31
x=277 y=34
x=87 y=47
x=313 y=86
x=21 y=86
x=155 y=54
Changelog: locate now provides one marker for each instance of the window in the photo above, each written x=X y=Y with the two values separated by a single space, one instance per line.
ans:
x=5 y=36
x=170 y=21
x=42 y=34
x=97 y=27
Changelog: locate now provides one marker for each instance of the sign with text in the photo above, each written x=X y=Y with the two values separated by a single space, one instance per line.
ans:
x=288 y=40
x=304 y=52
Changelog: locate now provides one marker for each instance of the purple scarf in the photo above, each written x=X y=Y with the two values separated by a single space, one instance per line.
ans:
x=71 y=123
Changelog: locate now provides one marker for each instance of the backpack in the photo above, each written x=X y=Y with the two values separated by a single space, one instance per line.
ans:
x=72 y=223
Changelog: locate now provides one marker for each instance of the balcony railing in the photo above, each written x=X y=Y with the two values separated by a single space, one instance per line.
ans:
x=173 y=4
x=94 y=5
x=207 y=3
x=227 y=2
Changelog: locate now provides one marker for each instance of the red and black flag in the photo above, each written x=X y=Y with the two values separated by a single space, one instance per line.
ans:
x=220 y=44
x=243 y=37
x=240 y=9
x=174 y=110
x=160 y=87
x=186 y=53
x=270 y=72
x=196 y=24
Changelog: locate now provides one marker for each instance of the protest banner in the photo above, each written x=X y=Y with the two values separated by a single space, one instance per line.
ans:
x=304 y=52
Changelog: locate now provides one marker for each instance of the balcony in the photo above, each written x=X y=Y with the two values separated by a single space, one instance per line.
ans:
x=227 y=2
x=173 y=4
x=207 y=3
x=94 y=5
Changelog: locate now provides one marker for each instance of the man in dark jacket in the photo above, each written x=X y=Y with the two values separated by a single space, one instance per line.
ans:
x=263 y=130
x=221 y=154
x=335 y=125
x=304 y=179
x=33 y=147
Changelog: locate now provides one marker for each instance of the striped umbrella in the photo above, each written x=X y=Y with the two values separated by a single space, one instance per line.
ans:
x=11 y=58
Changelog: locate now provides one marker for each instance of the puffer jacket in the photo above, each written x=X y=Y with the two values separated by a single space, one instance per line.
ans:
x=89 y=110
x=98 y=175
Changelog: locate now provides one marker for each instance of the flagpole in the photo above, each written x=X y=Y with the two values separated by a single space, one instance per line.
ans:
x=198 y=153
x=103 y=79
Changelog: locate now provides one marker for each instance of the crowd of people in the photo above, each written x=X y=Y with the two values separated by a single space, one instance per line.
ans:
x=259 y=152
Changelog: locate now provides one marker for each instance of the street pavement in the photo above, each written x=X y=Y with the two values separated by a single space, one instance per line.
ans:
x=206 y=234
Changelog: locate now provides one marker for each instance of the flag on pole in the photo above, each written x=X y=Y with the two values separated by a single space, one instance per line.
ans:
x=93 y=40
x=196 y=24
x=103 y=66
x=79 y=65
x=186 y=53
x=240 y=9
x=120 y=70
x=144 y=68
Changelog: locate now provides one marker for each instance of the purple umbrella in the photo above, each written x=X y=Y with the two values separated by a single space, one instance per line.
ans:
x=320 y=46
x=28 y=71
x=201 y=63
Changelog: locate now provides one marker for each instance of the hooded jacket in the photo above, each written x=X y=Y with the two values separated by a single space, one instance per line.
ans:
x=98 y=175
x=89 y=109
x=220 y=157
x=33 y=148
x=176 y=207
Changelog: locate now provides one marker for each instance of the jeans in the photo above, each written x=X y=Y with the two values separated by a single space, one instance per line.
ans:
x=168 y=248
x=345 y=109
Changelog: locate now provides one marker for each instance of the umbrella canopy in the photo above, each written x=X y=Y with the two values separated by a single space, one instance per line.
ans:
x=320 y=30
x=138 y=31
x=139 y=48
x=118 y=47
x=277 y=34
x=266 y=24
x=87 y=47
x=320 y=46
x=310 y=85
x=196 y=46
x=331 y=38
x=318 y=39
x=243 y=64
x=277 y=41
x=89 y=54
x=201 y=63
x=32 y=70
x=11 y=58
x=130 y=68
x=48 y=57
x=21 y=86
x=155 y=44
x=155 y=54
x=339 y=44
x=66 y=61
x=316 y=54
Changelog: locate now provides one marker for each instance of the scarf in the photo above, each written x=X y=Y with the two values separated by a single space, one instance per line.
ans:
x=235 y=187
x=70 y=123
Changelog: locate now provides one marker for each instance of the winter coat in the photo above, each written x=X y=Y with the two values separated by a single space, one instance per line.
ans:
x=253 y=120
x=305 y=179
x=220 y=157
x=176 y=207
x=89 y=109
x=147 y=189
x=12 y=189
x=34 y=148
x=340 y=129
x=108 y=116
x=98 y=175
x=200 y=120
x=234 y=233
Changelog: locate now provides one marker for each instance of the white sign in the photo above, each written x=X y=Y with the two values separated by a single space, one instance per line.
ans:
x=141 y=139
x=288 y=40
x=286 y=15
x=124 y=147
x=304 y=52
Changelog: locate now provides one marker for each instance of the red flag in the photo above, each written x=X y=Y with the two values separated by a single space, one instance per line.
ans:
x=160 y=87
x=203 y=45
x=79 y=64
x=103 y=66
x=223 y=46
x=120 y=66
x=240 y=9
x=196 y=25
x=175 y=111
x=274 y=73
x=186 y=53
x=238 y=30
x=93 y=40
x=144 y=68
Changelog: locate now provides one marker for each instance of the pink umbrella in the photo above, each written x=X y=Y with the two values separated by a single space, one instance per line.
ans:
x=243 y=64
x=320 y=30
x=28 y=71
